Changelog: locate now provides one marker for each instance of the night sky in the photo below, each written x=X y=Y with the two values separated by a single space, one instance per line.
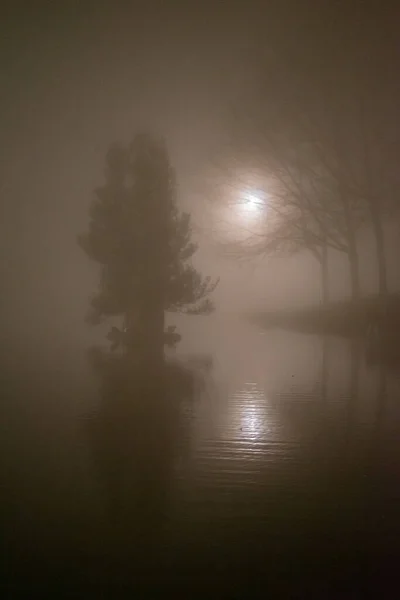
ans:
x=75 y=79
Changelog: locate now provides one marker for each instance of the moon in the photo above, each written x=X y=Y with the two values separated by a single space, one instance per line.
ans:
x=243 y=209
x=251 y=204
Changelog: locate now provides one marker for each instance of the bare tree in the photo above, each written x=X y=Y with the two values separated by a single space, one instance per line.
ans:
x=304 y=209
x=376 y=183
x=329 y=155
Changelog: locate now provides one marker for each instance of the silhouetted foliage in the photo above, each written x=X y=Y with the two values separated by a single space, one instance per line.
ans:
x=144 y=246
x=328 y=148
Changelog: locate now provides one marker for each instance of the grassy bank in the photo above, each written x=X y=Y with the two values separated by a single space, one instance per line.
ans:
x=346 y=318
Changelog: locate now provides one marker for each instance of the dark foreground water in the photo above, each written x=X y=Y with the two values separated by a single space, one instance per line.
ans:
x=274 y=473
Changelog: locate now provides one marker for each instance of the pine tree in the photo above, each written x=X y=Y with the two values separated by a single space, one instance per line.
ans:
x=144 y=246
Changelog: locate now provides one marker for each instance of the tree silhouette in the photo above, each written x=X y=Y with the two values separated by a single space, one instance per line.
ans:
x=144 y=246
x=312 y=204
x=328 y=147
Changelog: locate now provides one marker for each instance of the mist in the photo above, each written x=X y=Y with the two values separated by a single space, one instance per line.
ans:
x=75 y=82
x=269 y=357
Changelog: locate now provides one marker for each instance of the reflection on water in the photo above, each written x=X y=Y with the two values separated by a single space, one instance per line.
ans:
x=253 y=417
x=273 y=464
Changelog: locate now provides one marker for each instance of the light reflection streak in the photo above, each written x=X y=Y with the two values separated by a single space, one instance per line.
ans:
x=253 y=412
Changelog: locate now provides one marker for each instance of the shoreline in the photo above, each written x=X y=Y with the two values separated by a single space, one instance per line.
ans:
x=348 y=318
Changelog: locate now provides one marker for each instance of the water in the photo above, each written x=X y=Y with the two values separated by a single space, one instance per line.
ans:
x=275 y=471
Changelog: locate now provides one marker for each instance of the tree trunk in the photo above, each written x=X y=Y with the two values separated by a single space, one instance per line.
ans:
x=151 y=296
x=352 y=253
x=152 y=338
x=380 y=252
x=354 y=273
x=324 y=275
x=156 y=349
x=145 y=334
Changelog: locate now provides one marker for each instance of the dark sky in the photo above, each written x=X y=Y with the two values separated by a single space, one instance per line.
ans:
x=75 y=79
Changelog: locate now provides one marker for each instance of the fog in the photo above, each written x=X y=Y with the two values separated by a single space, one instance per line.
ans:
x=73 y=81
x=72 y=84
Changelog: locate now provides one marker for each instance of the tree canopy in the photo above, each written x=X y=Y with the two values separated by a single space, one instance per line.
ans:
x=142 y=242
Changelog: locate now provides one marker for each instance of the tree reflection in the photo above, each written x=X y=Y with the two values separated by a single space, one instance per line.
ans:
x=355 y=363
x=136 y=436
x=381 y=414
x=324 y=368
x=381 y=399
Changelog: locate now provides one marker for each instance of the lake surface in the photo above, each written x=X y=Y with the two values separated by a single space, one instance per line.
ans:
x=274 y=472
